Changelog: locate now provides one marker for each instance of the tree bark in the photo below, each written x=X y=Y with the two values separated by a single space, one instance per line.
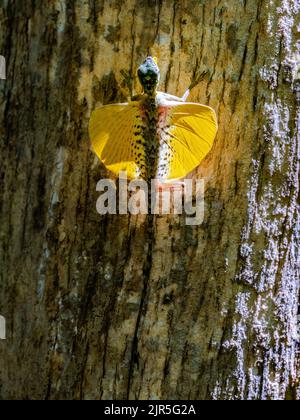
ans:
x=217 y=316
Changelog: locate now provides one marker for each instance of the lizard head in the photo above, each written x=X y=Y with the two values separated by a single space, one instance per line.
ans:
x=149 y=75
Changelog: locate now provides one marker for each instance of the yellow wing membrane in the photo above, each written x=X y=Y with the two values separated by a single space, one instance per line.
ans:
x=187 y=137
x=116 y=136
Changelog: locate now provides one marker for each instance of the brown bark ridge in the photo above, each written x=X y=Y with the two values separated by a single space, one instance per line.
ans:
x=217 y=317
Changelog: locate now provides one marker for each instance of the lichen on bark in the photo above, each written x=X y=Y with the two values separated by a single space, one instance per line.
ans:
x=218 y=315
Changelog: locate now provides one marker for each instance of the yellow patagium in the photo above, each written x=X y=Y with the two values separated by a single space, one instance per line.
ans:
x=156 y=136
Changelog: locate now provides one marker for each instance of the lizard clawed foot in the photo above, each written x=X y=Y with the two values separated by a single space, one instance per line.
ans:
x=197 y=78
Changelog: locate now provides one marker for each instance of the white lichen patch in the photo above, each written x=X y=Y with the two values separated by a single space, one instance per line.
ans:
x=42 y=271
x=268 y=369
x=56 y=180
x=269 y=74
x=61 y=21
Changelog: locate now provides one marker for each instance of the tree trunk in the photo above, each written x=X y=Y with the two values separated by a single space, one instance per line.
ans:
x=217 y=315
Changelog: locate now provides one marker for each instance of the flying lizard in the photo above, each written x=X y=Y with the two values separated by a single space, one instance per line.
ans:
x=156 y=135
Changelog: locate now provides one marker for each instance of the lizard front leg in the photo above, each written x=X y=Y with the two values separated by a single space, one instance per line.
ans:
x=197 y=78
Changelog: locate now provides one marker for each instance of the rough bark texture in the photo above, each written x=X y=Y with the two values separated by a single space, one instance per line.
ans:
x=217 y=317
